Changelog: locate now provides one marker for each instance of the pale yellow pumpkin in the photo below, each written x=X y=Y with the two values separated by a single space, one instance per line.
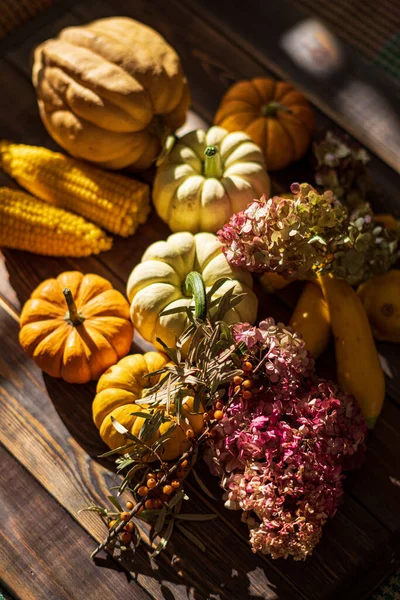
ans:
x=117 y=392
x=158 y=282
x=110 y=91
x=206 y=177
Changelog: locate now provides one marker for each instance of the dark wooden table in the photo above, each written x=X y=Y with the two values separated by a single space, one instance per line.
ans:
x=49 y=469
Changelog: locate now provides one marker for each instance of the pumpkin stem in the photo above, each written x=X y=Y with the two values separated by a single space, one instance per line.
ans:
x=212 y=162
x=270 y=109
x=194 y=285
x=72 y=316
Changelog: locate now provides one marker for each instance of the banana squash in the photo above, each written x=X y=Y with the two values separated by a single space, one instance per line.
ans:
x=358 y=368
x=311 y=319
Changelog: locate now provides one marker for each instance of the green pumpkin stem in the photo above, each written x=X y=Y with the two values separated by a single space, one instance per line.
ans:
x=212 y=162
x=72 y=316
x=270 y=109
x=194 y=285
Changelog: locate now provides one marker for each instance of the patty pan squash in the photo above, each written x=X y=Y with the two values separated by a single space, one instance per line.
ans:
x=110 y=91
x=206 y=177
x=120 y=387
x=76 y=326
x=158 y=282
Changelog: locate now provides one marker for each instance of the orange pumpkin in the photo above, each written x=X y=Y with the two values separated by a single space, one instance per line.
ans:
x=76 y=326
x=274 y=114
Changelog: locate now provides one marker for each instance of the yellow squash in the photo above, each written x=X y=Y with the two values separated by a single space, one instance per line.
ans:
x=358 y=368
x=311 y=319
x=381 y=299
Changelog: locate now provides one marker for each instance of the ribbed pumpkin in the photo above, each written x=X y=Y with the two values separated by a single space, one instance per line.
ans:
x=76 y=326
x=206 y=177
x=110 y=91
x=117 y=391
x=158 y=282
x=274 y=114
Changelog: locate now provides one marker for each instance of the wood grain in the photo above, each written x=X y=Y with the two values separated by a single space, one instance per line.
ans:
x=44 y=414
x=43 y=551
x=52 y=439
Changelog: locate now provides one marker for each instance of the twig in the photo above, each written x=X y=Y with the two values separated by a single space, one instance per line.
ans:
x=167 y=475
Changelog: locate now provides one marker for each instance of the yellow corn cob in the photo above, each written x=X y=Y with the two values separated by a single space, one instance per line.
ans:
x=116 y=203
x=27 y=223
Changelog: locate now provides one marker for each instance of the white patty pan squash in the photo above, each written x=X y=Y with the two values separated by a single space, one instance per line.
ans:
x=206 y=177
x=158 y=282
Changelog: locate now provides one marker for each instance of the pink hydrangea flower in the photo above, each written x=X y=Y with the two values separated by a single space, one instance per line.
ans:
x=280 y=453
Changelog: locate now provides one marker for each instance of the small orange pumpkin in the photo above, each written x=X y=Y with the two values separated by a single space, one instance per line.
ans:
x=274 y=114
x=76 y=326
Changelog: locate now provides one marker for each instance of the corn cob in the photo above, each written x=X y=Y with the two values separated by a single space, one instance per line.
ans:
x=116 y=203
x=27 y=223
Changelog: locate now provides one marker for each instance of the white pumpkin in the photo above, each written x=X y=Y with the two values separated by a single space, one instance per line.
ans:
x=206 y=177
x=158 y=282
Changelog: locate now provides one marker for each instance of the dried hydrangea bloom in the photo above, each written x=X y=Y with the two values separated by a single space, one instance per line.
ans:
x=280 y=452
x=309 y=234
x=341 y=167
x=282 y=235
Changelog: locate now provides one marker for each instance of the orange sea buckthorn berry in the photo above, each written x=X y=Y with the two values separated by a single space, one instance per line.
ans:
x=247 y=366
x=129 y=526
x=247 y=384
x=219 y=405
x=149 y=504
x=218 y=414
x=151 y=483
x=151 y=475
x=175 y=484
x=189 y=433
x=247 y=395
x=237 y=389
x=129 y=505
x=125 y=516
x=143 y=490
x=184 y=464
x=112 y=523
x=126 y=537
x=158 y=503
x=168 y=489
x=237 y=380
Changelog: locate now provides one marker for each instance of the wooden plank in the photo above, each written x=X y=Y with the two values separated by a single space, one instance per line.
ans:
x=61 y=432
x=43 y=551
x=211 y=75
x=355 y=94
x=44 y=415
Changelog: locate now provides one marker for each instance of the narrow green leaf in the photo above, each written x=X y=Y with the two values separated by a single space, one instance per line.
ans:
x=160 y=520
x=97 y=509
x=202 y=485
x=164 y=540
x=190 y=536
x=179 y=496
x=116 y=451
x=142 y=415
x=196 y=517
x=115 y=502
x=216 y=285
